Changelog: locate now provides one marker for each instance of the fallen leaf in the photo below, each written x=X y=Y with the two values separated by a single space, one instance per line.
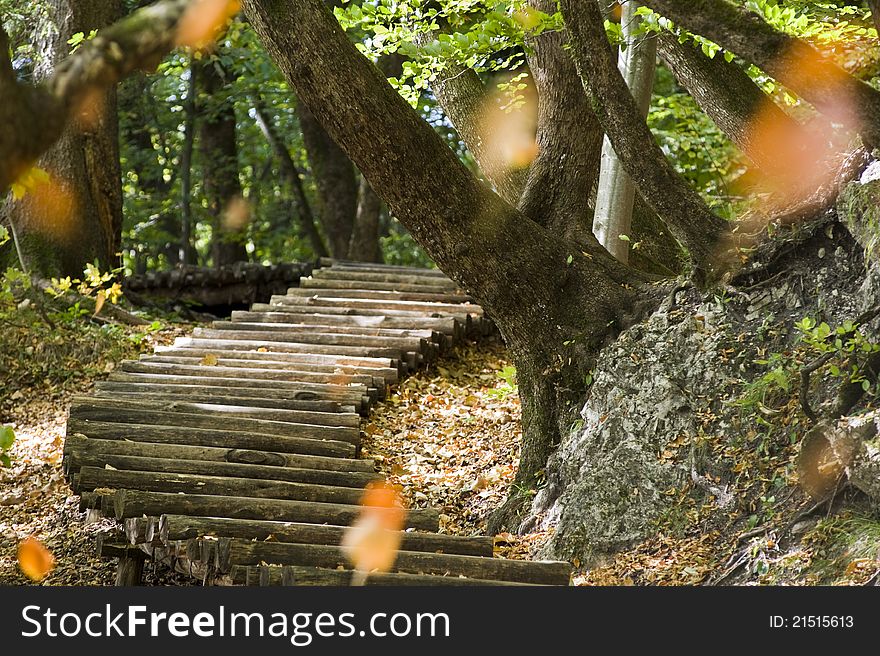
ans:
x=35 y=560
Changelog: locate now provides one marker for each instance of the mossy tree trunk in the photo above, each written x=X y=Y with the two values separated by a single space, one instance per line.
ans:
x=76 y=217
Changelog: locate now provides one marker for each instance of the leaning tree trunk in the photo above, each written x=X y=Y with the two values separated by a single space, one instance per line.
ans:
x=616 y=195
x=546 y=297
x=219 y=158
x=76 y=217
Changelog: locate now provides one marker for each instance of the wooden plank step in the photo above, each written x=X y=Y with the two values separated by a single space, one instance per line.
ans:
x=356 y=395
x=414 y=344
x=227 y=439
x=341 y=284
x=381 y=267
x=388 y=295
x=134 y=503
x=89 y=479
x=388 y=375
x=260 y=397
x=290 y=575
x=244 y=373
x=276 y=356
x=333 y=419
x=245 y=552
x=96 y=410
x=310 y=306
x=268 y=346
x=393 y=277
x=296 y=328
x=181 y=527
x=91 y=447
x=447 y=325
x=340 y=300
x=76 y=460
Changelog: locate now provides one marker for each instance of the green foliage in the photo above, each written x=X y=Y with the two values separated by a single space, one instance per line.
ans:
x=7 y=439
x=508 y=385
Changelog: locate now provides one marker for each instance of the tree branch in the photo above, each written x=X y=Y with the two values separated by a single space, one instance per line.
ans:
x=680 y=207
x=33 y=118
x=793 y=62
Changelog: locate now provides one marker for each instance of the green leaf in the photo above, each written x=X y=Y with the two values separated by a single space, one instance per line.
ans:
x=7 y=437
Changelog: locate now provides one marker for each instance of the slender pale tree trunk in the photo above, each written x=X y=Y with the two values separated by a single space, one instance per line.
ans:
x=617 y=192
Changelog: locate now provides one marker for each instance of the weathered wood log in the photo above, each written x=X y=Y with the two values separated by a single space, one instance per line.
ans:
x=414 y=344
x=265 y=575
x=380 y=376
x=344 y=285
x=133 y=503
x=76 y=460
x=240 y=373
x=325 y=300
x=130 y=568
x=92 y=478
x=268 y=346
x=298 y=358
x=210 y=437
x=427 y=297
x=295 y=328
x=181 y=527
x=244 y=552
x=441 y=325
x=308 y=305
x=845 y=451
x=333 y=419
x=96 y=410
x=393 y=277
x=212 y=395
x=204 y=393
x=346 y=394
x=89 y=447
x=349 y=265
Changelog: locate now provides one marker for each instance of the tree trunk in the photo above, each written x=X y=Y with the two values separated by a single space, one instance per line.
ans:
x=729 y=97
x=874 y=5
x=335 y=179
x=292 y=174
x=365 y=246
x=523 y=275
x=77 y=217
x=219 y=157
x=794 y=63
x=616 y=194
x=680 y=207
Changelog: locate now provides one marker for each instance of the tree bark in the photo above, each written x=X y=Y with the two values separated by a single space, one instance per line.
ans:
x=680 y=207
x=523 y=275
x=728 y=96
x=874 y=5
x=558 y=191
x=335 y=179
x=292 y=174
x=365 y=246
x=188 y=254
x=219 y=159
x=79 y=218
x=616 y=194
x=793 y=62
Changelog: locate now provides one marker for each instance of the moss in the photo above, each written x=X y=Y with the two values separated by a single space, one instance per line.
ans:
x=858 y=208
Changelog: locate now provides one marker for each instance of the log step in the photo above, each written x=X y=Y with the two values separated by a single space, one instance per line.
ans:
x=266 y=575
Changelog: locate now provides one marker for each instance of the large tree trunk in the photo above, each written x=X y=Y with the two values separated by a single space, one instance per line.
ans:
x=616 y=194
x=552 y=303
x=335 y=179
x=77 y=217
x=219 y=158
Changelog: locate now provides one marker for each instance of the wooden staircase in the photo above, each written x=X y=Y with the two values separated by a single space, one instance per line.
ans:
x=233 y=455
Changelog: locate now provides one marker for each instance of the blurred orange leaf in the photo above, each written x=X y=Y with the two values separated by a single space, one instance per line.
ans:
x=371 y=543
x=203 y=21
x=35 y=560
